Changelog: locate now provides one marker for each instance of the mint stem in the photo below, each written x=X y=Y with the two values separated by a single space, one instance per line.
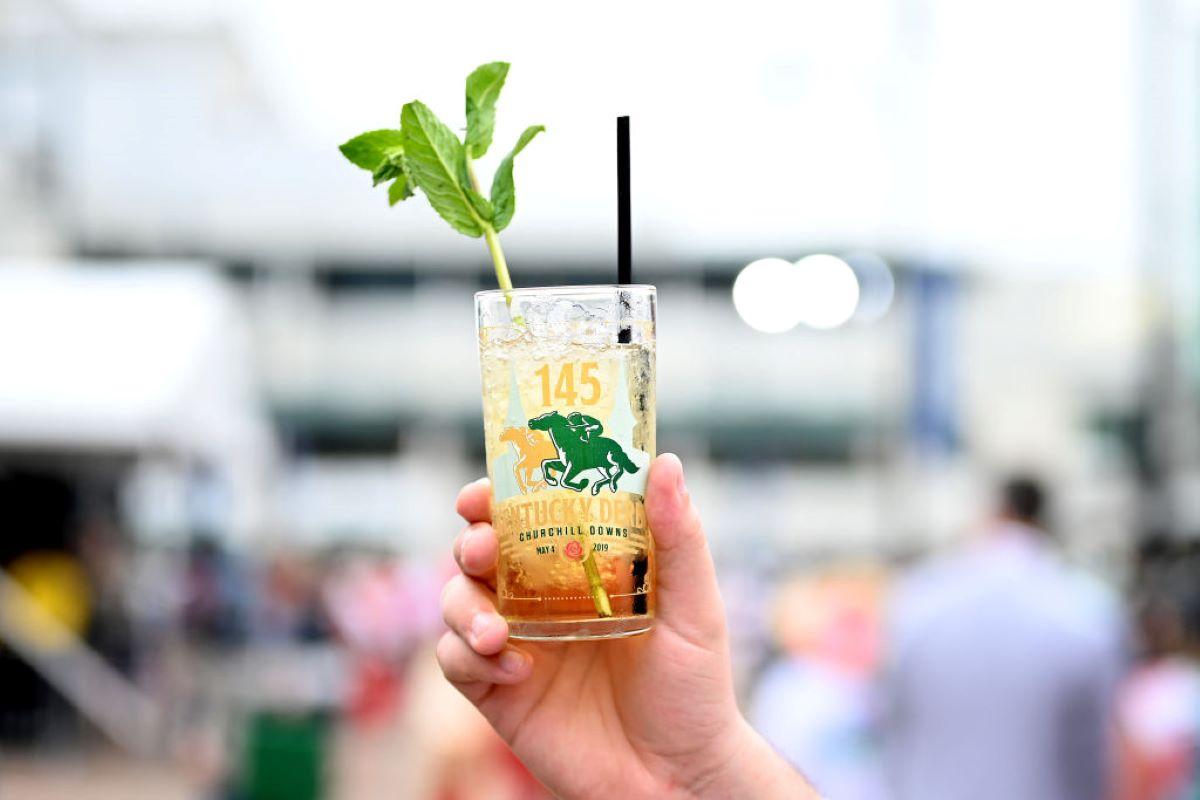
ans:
x=596 y=584
x=493 y=243
x=590 y=568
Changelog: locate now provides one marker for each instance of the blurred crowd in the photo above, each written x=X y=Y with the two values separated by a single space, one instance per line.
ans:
x=995 y=669
x=238 y=390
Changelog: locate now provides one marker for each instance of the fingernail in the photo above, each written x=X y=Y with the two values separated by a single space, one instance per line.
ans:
x=479 y=625
x=681 y=484
x=464 y=542
x=512 y=661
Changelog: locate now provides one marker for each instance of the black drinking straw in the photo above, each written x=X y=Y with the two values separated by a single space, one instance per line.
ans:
x=624 y=239
x=624 y=222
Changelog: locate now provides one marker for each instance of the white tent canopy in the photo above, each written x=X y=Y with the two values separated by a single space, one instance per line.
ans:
x=125 y=358
x=131 y=359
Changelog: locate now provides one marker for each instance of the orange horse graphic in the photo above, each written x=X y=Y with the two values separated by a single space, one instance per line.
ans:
x=532 y=449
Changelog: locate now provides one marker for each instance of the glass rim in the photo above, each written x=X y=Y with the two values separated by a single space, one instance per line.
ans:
x=581 y=289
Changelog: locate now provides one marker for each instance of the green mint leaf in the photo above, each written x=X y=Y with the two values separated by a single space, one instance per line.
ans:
x=435 y=159
x=483 y=88
x=369 y=150
x=482 y=205
x=385 y=172
x=504 y=197
x=401 y=189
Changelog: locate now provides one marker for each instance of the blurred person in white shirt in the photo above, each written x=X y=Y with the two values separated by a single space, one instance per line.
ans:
x=1001 y=669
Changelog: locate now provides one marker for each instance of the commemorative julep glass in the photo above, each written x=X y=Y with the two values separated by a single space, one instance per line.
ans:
x=568 y=412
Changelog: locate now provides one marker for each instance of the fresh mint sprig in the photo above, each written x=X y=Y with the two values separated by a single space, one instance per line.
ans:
x=425 y=154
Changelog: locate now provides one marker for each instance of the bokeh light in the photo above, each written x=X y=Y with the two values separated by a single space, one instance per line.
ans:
x=766 y=294
x=826 y=291
x=877 y=285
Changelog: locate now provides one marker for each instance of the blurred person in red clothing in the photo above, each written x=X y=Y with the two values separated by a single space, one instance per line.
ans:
x=383 y=608
x=1158 y=711
x=449 y=752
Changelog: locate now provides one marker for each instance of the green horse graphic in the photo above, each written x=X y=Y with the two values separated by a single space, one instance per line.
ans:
x=581 y=448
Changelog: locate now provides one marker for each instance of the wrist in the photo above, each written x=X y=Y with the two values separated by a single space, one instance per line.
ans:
x=752 y=768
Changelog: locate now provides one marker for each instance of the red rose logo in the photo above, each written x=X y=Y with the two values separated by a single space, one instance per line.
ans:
x=573 y=550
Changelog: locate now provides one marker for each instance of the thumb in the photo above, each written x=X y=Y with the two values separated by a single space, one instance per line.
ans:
x=687 y=596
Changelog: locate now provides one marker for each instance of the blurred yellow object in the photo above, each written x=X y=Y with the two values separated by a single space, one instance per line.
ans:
x=58 y=598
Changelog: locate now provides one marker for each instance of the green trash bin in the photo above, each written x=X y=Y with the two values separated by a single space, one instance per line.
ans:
x=285 y=756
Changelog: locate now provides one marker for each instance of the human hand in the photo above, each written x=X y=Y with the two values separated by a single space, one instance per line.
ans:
x=648 y=716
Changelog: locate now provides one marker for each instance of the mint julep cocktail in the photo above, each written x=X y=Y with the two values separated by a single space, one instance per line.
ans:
x=568 y=388
x=568 y=410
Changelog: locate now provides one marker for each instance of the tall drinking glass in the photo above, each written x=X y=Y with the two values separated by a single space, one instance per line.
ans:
x=568 y=416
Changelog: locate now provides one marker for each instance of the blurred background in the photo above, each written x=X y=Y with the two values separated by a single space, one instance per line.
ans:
x=238 y=392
